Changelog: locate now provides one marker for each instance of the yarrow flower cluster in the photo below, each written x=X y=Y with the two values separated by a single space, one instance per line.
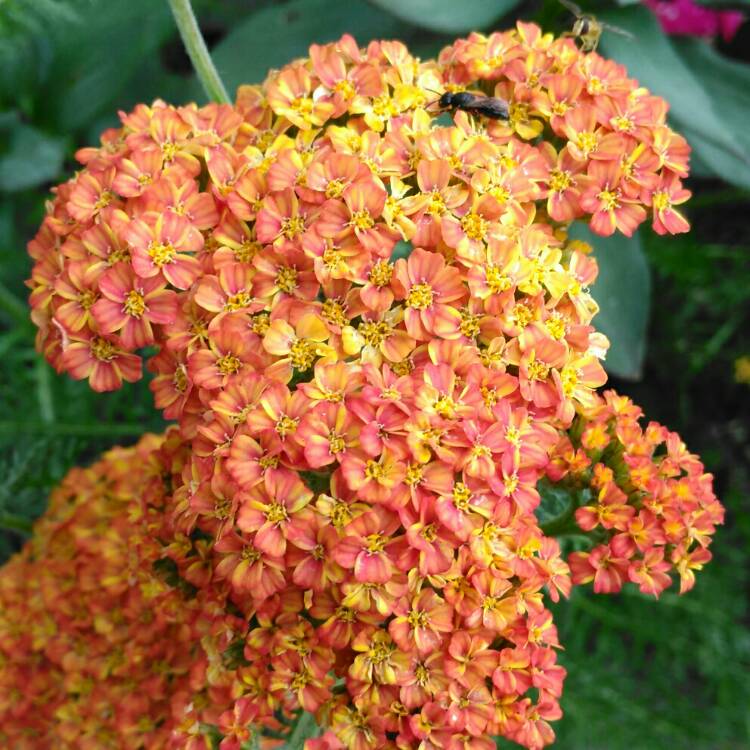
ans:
x=374 y=334
x=94 y=645
x=648 y=502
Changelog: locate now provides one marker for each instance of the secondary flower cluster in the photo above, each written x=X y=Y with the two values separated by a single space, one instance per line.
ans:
x=372 y=329
x=94 y=645
x=648 y=501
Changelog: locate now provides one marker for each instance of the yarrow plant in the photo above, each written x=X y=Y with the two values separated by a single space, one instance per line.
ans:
x=374 y=334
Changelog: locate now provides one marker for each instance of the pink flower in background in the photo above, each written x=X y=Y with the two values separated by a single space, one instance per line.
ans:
x=686 y=17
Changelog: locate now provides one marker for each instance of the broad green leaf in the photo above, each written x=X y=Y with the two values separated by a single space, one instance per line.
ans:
x=448 y=16
x=98 y=60
x=32 y=158
x=623 y=292
x=727 y=84
x=276 y=35
x=657 y=64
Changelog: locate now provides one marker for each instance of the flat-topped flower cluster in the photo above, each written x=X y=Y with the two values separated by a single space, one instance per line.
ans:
x=374 y=334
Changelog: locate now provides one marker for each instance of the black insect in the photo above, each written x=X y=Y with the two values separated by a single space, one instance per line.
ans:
x=491 y=107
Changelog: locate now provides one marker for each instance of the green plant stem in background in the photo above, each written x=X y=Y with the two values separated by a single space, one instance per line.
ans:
x=304 y=728
x=197 y=50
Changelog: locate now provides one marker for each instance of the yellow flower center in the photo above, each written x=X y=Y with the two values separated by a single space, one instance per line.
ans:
x=276 y=513
x=560 y=108
x=661 y=201
x=237 y=301
x=374 y=470
x=500 y=194
x=229 y=364
x=461 y=496
x=345 y=614
x=595 y=85
x=301 y=680
x=445 y=406
x=336 y=442
x=538 y=370
x=375 y=543
x=250 y=553
x=381 y=274
x=222 y=507
x=362 y=220
x=340 y=515
x=168 y=150
x=303 y=105
x=333 y=260
x=586 y=142
x=180 y=379
x=302 y=354
x=569 y=378
x=559 y=181
x=610 y=199
x=292 y=227
x=417 y=619
x=497 y=281
x=104 y=200
x=420 y=296
x=86 y=299
x=513 y=435
x=334 y=189
x=421 y=674
x=489 y=396
x=374 y=332
x=474 y=225
x=333 y=312
x=623 y=123
x=246 y=251
x=480 y=451
x=414 y=474
x=161 y=254
x=285 y=425
x=555 y=327
x=404 y=367
x=429 y=533
x=286 y=279
x=522 y=315
x=345 y=89
x=261 y=323
x=269 y=462
x=102 y=349
x=437 y=204
x=470 y=324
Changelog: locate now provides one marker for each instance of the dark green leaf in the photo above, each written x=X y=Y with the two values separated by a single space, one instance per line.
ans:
x=98 y=59
x=276 y=35
x=623 y=292
x=32 y=158
x=448 y=16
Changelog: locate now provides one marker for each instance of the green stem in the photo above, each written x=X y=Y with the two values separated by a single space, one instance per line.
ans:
x=304 y=728
x=197 y=50
x=44 y=392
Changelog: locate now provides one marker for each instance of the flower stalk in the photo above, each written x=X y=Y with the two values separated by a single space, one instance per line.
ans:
x=198 y=52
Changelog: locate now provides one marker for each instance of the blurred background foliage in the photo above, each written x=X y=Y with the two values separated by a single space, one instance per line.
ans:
x=673 y=674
